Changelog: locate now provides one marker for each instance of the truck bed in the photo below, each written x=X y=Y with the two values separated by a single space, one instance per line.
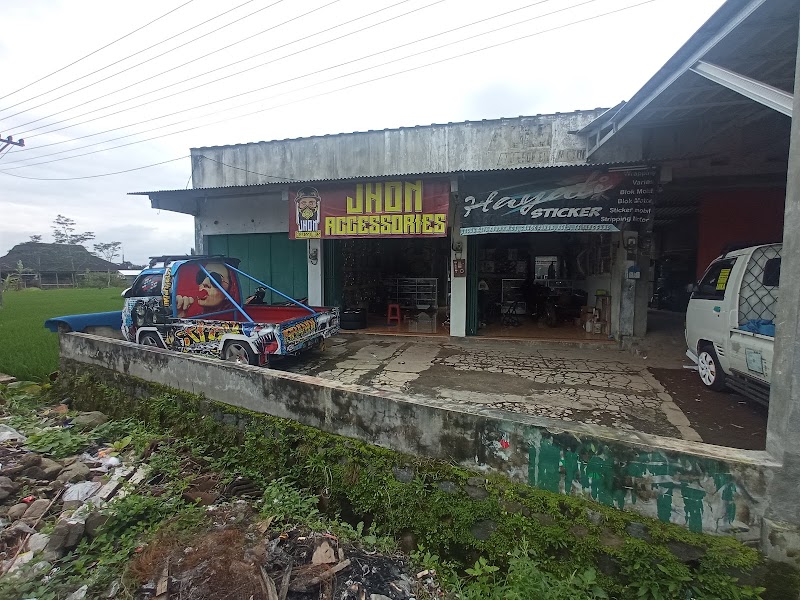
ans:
x=267 y=314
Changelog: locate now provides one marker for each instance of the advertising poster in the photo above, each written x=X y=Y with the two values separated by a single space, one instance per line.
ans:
x=374 y=209
x=572 y=201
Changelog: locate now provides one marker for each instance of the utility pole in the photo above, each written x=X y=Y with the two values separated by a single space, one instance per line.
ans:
x=9 y=141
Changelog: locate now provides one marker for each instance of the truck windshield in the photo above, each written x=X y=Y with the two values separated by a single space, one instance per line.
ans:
x=714 y=283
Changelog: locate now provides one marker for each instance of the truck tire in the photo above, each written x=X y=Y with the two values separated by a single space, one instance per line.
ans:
x=711 y=373
x=239 y=352
x=149 y=338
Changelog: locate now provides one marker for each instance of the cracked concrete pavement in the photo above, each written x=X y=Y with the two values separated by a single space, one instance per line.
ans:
x=602 y=386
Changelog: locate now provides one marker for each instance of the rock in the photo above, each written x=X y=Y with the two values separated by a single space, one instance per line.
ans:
x=77 y=471
x=515 y=508
x=94 y=521
x=42 y=568
x=50 y=468
x=608 y=565
x=403 y=474
x=579 y=531
x=476 y=493
x=201 y=498
x=81 y=491
x=66 y=535
x=71 y=505
x=22 y=559
x=483 y=530
x=323 y=554
x=79 y=594
x=36 y=473
x=38 y=542
x=686 y=553
x=30 y=460
x=52 y=555
x=544 y=519
x=9 y=434
x=16 y=511
x=639 y=531
x=595 y=518
x=89 y=420
x=7 y=487
x=378 y=597
x=448 y=487
x=408 y=541
x=476 y=481
x=36 y=509
x=610 y=539
x=12 y=470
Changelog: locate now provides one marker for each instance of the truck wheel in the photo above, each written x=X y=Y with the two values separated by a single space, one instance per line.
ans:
x=149 y=338
x=239 y=352
x=711 y=373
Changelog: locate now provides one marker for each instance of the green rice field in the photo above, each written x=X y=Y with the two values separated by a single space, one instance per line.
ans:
x=27 y=349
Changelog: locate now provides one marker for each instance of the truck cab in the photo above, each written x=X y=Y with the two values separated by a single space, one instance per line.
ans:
x=730 y=321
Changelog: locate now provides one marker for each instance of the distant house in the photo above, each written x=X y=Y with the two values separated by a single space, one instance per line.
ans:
x=53 y=265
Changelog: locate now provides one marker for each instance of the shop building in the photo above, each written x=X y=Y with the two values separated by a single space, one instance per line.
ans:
x=495 y=228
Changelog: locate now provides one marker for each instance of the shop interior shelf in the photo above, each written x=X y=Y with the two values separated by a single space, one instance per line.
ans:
x=414 y=292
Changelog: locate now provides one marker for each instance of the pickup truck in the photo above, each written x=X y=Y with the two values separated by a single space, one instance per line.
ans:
x=194 y=304
x=730 y=321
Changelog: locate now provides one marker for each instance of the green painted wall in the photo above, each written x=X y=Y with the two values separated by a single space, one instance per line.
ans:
x=271 y=257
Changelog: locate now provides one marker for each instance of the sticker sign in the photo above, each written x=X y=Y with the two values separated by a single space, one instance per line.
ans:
x=722 y=280
x=572 y=200
x=375 y=209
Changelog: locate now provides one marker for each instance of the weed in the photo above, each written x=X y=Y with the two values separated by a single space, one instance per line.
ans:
x=58 y=442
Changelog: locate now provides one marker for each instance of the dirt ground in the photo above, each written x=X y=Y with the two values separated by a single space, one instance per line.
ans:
x=721 y=418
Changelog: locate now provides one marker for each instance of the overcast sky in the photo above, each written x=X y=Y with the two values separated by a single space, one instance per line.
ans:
x=581 y=66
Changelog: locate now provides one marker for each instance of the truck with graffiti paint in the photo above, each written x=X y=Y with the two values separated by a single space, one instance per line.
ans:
x=196 y=305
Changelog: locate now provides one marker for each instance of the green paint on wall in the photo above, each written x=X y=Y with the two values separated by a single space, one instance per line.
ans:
x=664 y=505
x=693 y=506
x=607 y=473
x=547 y=469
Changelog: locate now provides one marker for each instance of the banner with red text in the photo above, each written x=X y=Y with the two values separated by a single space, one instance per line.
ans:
x=374 y=209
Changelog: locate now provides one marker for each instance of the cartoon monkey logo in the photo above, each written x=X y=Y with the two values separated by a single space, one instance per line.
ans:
x=308 y=204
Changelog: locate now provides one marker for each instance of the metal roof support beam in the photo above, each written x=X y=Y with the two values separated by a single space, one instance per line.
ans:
x=762 y=93
x=702 y=49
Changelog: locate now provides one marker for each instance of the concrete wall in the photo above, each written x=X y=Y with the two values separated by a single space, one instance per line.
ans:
x=265 y=213
x=479 y=145
x=703 y=487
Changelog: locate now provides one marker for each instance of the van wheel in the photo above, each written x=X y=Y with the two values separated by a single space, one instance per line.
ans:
x=711 y=373
x=239 y=352
x=150 y=339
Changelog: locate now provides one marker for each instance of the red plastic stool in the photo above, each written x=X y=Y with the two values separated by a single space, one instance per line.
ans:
x=393 y=314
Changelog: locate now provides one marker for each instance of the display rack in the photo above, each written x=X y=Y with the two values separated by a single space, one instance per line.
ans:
x=421 y=293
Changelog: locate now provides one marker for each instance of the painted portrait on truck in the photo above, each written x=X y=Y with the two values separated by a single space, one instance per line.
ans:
x=197 y=294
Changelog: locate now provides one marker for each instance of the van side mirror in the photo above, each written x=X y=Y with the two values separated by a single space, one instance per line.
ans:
x=124 y=294
x=692 y=288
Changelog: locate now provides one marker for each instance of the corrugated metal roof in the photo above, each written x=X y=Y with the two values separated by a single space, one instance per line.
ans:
x=376 y=177
x=327 y=135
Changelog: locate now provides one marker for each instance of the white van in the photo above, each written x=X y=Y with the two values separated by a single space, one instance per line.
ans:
x=730 y=321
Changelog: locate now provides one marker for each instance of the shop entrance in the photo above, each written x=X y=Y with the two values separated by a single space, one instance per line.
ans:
x=553 y=286
x=391 y=286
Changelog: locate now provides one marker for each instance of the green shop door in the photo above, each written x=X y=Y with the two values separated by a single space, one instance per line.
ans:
x=271 y=257
x=473 y=247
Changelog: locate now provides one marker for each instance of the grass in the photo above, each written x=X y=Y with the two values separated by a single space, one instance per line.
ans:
x=27 y=349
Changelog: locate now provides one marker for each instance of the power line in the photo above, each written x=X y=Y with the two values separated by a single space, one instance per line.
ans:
x=312 y=85
x=151 y=77
x=94 y=52
x=301 y=76
x=137 y=64
x=204 y=104
x=411 y=69
x=163 y=162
